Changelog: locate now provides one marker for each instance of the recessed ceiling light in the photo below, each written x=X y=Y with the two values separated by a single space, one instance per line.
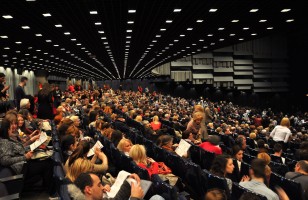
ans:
x=189 y=29
x=128 y=36
x=130 y=22
x=73 y=39
x=158 y=36
x=3 y=36
x=168 y=21
x=6 y=48
x=253 y=34
x=101 y=32
x=7 y=16
x=162 y=29
x=38 y=35
x=177 y=10
x=262 y=20
x=98 y=23
x=182 y=35
x=209 y=35
x=194 y=44
x=201 y=40
x=285 y=10
x=235 y=20
x=129 y=31
x=103 y=38
x=245 y=28
x=47 y=15
x=290 y=20
x=45 y=53
x=131 y=11
x=269 y=28
x=58 y=25
x=19 y=52
x=18 y=42
x=241 y=39
x=213 y=10
x=232 y=34
x=221 y=39
x=154 y=41
x=27 y=54
x=67 y=33
x=30 y=0
x=199 y=20
x=25 y=27
x=220 y=29
x=38 y=50
x=254 y=10
x=213 y=43
x=93 y=12
x=55 y=45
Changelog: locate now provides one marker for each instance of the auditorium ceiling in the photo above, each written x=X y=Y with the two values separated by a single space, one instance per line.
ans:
x=118 y=39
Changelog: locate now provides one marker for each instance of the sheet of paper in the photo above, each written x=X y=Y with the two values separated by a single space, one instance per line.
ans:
x=43 y=137
x=144 y=184
x=182 y=148
x=98 y=144
x=122 y=176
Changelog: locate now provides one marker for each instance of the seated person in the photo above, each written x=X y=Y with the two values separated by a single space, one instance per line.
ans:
x=300 y=175
x=156 y=124
x=166 y=142
x=189 y=137
x=68 y=145
x=268 y=170
x=237 y=154
x=116 y=136
x=277 y=154
x=138 y=154
x=125 y=145
x=78 y=161
x=215 y=194
x=223 y=165
x=212 y=145
x=256 y=184
x=88 y=186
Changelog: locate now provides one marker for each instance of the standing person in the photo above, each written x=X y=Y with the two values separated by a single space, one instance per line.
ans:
x=3 y=95
x=281 y=133
x=20 y=92
x=204 y=134
x=57 y=96
x=45 y=103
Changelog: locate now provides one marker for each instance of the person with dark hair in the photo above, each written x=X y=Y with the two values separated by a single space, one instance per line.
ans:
x=166 y=142
x=249 y=196
x=212 y=145
x=300 y=175
x=68 y=145
x=45 y=103
x=189 y=137
x=237 y=154
x=116 y=136
x=241 y=141
x=88 y=186
x=277 y=154
x=302 y=152
x=262 y=146
x=221 y=166
x=215 y=194
x=258 y=177
x=20 y=92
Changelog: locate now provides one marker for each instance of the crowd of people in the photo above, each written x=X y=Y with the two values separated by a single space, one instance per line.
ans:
x=229 y=131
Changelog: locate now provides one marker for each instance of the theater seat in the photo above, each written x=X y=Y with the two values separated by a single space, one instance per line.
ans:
x=292 y=188
x=216 y=182
x=248 y=158
x=142 y=173
x=238 y=190
x=13 y=183
x=161 y=188
x=279 y=168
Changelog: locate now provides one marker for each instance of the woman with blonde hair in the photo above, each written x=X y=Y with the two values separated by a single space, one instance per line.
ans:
x=138 y=119
x=267 y=159
x=139 y=156
x=77 y=168
x=125 y=146
x=200 y=109
x=155 y=124
x=281 y=133
x=194 y=126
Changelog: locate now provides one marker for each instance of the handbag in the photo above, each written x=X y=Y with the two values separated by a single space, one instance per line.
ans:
x=163 y=168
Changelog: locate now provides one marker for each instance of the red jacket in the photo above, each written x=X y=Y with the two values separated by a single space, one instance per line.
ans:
x=153 y=169
x=211 y=148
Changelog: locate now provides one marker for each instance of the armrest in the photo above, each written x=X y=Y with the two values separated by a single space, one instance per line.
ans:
x=11 y=178
x=10 y=197
x=13 y=184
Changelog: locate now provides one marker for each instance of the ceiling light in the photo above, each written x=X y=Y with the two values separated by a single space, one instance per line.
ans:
x=199 y=20
x=93 y=12
x=73 y=39
x=241 y=39
x=128 y=36
x=58 y=25
x=25 y=27
x=189 y=29
x=67 y=33
x=130 y=22
x=168 y=21
x=253 y=34
x=213 y=10
x=3 y=36
x=103 y=38
x=201 y=40
x=221 y=39
x=38 y=50
x=182 y=35
x=235 y=20
x=154 y=41
x=220 y=29
x=210 y=35
x=158 y=36
x=290 y=20
x=38 y=35
x=18 y=42
x=98 y=23
x=269 y=28
x=285 y=10
x=212 y=43
x=254 y=10
x=131 y=11
x=6 y=48
x=48 y=40
x=245 y=28
x=194 y=44
x=162 y=29
x=55 y=45
x=45 y=53
x=7 y=16
x=177 y=10
x=262 y=20
x=47 y=15
x=232 y=34
x=101 y=32
x=129 y=31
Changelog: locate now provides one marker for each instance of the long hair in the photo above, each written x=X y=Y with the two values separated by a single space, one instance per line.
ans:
x=45 y=91
x=81 y=150
x=138 y=154
x=219 y=165
x=79 y=166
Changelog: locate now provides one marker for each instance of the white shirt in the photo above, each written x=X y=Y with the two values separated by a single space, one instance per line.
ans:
x=239 y=163
x=281 y=133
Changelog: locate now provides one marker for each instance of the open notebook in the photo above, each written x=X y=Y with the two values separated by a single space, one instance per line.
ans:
x=122 y=176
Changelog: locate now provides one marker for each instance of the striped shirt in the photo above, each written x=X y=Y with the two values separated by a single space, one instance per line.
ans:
x=260 y=188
